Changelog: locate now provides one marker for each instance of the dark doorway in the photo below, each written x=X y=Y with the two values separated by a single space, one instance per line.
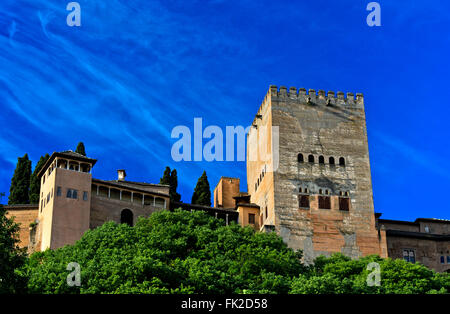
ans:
x=126 y=217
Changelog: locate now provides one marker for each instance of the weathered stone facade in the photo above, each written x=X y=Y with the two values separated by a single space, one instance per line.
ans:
x=330 y=130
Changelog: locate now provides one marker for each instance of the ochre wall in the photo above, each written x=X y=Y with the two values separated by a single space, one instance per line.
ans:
x=24 y=215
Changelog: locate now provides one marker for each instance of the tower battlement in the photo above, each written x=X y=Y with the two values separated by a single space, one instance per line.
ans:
x=302 y=96
x=320 y=97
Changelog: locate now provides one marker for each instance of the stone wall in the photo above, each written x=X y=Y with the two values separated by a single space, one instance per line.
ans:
x=24 y=215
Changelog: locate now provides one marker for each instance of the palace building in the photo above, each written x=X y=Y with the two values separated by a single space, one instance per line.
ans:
x=310 y=183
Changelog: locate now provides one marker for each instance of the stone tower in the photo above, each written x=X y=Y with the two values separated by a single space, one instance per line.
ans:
x=65 y=200
x=308 y=169
x=224 y=192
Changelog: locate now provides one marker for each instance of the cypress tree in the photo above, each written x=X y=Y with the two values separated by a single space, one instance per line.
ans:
x=174 y=196
x=80 y=149
x=202 y=192
x=12 y=257
x=20 y=182
x=35 y=183
x=170 y=178
x=166 y=177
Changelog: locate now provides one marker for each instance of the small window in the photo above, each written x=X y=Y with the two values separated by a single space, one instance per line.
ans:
x=85 y=196
x=267 y=215
x=251 y=219
x=300 y=190
x=72 y=193
x=409 y=256
x=304 y=201
x=58 y=191
x=300 y=157
x=341 y=161
x=331 y=161
x=442 y=260
x=448 y=259
x=320 y=191
x=48 y=198
x=321 y=160
x=344 y=203
x=427 y=229
x=311 y=158
x=324 y=202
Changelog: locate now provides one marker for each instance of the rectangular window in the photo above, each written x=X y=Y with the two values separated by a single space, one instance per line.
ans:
x=251 y=219
x=58 y=191
x=409 y=256
x=85 y=196
x=442 y=260
x=48 y=198
x=448 y=259
x=304 y=201
x=344 y=203
x=72 y=194
x=324 y=202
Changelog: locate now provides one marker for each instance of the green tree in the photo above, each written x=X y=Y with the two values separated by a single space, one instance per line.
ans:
x=170 y=178
x=202 y=192
x=35 y=182
x=174 y=196
x=80 y=149
x=339 y=274
x=11 y=256
x=169 y=252
x=166 y=177
x=20 y=182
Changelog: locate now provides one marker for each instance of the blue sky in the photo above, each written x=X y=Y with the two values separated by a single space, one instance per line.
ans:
x=136 y=69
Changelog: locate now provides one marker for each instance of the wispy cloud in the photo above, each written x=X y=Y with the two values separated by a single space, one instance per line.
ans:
x=425 y=159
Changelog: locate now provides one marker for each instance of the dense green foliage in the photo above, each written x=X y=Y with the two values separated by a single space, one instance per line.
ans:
x=191 y=252
x=170 y=178
x=170 y=252
x=202 y=192
x=11 y=256
x=35 y=182
x=80 y=149
x=20 y=182
x=340 y=274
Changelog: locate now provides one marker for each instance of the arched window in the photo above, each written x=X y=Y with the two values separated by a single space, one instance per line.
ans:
x=300 y=157
x=320 y=191
x=300 y=190
x=311 y=158
x=342 y=161
x=321 y=160
x=126 y=217
x=331 y=160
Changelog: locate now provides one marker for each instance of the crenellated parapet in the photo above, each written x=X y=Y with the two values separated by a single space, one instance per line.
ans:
x=320 y=97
